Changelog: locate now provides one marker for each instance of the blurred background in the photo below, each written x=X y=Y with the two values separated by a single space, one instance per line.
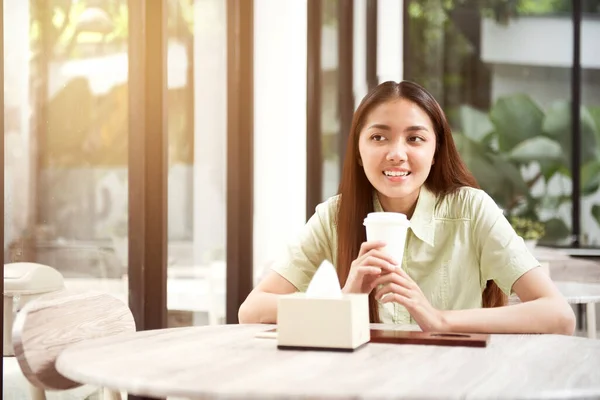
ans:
x=256 y=123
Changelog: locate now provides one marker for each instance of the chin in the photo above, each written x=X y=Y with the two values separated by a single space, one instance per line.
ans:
x=395 y=193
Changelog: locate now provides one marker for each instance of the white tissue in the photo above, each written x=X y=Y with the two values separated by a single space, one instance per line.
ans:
x=325 y=282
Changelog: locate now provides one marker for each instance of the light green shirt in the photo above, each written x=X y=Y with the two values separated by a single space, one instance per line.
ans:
x=453 y=247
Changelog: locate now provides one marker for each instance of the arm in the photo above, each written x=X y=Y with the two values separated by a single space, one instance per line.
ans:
x=543 y=310
x=261 y=304
x=293 y=270
x=503 y=258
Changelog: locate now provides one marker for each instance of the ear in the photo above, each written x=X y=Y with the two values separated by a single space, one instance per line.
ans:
x=433 y=161
x=360 y=161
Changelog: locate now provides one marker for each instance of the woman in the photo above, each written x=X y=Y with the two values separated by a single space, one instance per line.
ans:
x=462 y=257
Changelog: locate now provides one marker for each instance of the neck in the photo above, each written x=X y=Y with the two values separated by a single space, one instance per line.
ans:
x=405 y=205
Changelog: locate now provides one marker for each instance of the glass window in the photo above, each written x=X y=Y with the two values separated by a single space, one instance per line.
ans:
x=330 y=117
x=197 y=130
x=66 y=138
x=590 y=124
x=503 y=75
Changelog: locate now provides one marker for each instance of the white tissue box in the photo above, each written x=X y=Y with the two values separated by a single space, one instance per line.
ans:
x=323 y=323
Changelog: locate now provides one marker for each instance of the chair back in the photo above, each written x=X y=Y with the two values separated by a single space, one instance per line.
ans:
x=54 y=321
x=24 y=281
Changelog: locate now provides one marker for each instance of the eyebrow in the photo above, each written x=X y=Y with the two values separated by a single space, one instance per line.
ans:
x=413 y=128
x=380 y=126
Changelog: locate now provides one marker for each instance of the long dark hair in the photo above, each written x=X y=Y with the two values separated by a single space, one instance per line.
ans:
x=448 y=174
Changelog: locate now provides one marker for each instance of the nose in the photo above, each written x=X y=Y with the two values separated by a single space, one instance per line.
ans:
x=396 y=152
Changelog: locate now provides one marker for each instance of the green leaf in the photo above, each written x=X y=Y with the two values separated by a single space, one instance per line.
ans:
x=498 y=177
x=557 y=125
x=536 y=149
x=590 y=177
x=516 y=118
x=596 y=213
x=595 y=115
x=474 y=124
x=556 y=230
x=549 y=168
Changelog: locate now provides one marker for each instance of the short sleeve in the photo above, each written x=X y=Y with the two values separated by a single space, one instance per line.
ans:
x=314 y=244
x=504 y=257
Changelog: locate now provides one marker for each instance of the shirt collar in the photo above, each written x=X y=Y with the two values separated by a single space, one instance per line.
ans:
x=422 y=222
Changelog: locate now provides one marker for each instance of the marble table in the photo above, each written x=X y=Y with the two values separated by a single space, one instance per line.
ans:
x=228 y=361
x=583 y=293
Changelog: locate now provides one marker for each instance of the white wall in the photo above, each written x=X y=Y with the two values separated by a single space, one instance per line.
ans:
x=210 y=128
x=544 y=85
x=389 y=40
x=279 y=125
x=543 y=41
x=17 y=109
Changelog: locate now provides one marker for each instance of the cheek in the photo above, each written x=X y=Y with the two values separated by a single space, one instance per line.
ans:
x=370 y=158
x=424 y=157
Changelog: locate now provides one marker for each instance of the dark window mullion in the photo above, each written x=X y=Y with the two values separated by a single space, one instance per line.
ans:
x=240 y=154
x=371 y=40
x=314 y=161
x=345 y=73
x=147 y=264
x=576 y=125
x=406 y=51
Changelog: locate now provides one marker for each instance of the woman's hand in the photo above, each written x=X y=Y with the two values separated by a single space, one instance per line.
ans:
x=398 y=287
x=368 y=266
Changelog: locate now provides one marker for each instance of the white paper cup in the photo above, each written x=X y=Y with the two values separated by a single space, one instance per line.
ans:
x=388 y=227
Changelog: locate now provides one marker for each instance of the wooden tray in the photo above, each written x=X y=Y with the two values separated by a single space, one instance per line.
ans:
x=430 y=338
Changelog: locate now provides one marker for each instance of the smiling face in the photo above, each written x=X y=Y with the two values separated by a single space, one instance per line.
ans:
x=397 y=147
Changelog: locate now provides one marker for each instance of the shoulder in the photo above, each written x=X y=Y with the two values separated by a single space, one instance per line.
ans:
x=327 y=210
x=466 y=203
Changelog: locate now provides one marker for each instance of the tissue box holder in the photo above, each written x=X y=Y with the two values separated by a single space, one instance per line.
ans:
x=322 y=323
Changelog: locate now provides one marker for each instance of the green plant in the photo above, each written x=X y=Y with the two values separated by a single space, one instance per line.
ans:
x=521 y=155
x=527 y=228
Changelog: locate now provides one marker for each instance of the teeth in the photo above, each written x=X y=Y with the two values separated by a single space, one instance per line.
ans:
x=395 y=173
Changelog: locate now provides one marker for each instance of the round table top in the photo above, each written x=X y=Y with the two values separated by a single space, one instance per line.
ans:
x=228 y=361
x=579 y=293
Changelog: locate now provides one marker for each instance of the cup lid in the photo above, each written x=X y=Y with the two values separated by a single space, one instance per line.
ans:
x=386 y=217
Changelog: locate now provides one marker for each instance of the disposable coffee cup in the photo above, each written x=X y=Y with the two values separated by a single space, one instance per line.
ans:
x=388 y=227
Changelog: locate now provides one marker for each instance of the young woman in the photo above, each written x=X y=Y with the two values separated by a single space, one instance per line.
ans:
x=462 y=257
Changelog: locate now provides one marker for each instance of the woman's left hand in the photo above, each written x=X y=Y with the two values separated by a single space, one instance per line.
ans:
x=399 y=288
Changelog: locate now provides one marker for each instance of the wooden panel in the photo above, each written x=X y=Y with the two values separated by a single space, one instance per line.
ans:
x=147 y=264
x=372 y=79
x=240 y=153
x=429 y=338
x=346 y=74
x=314 y=159
x=51 y=323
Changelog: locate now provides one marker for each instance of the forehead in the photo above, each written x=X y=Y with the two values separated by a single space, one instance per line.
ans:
x=398 y=113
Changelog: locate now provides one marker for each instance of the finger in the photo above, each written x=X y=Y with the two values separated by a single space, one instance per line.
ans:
x=392 y=288
x=367 y=246
x=410 y=283
x=390 y=278
x=367 y=270
x=374 y=261
x=384 y=256
x=397 y=298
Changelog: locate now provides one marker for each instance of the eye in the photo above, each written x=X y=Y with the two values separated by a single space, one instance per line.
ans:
x=377 y=137
x=416 y=139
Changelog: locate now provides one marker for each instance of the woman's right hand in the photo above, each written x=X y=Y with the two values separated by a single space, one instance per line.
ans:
x=371 y=263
